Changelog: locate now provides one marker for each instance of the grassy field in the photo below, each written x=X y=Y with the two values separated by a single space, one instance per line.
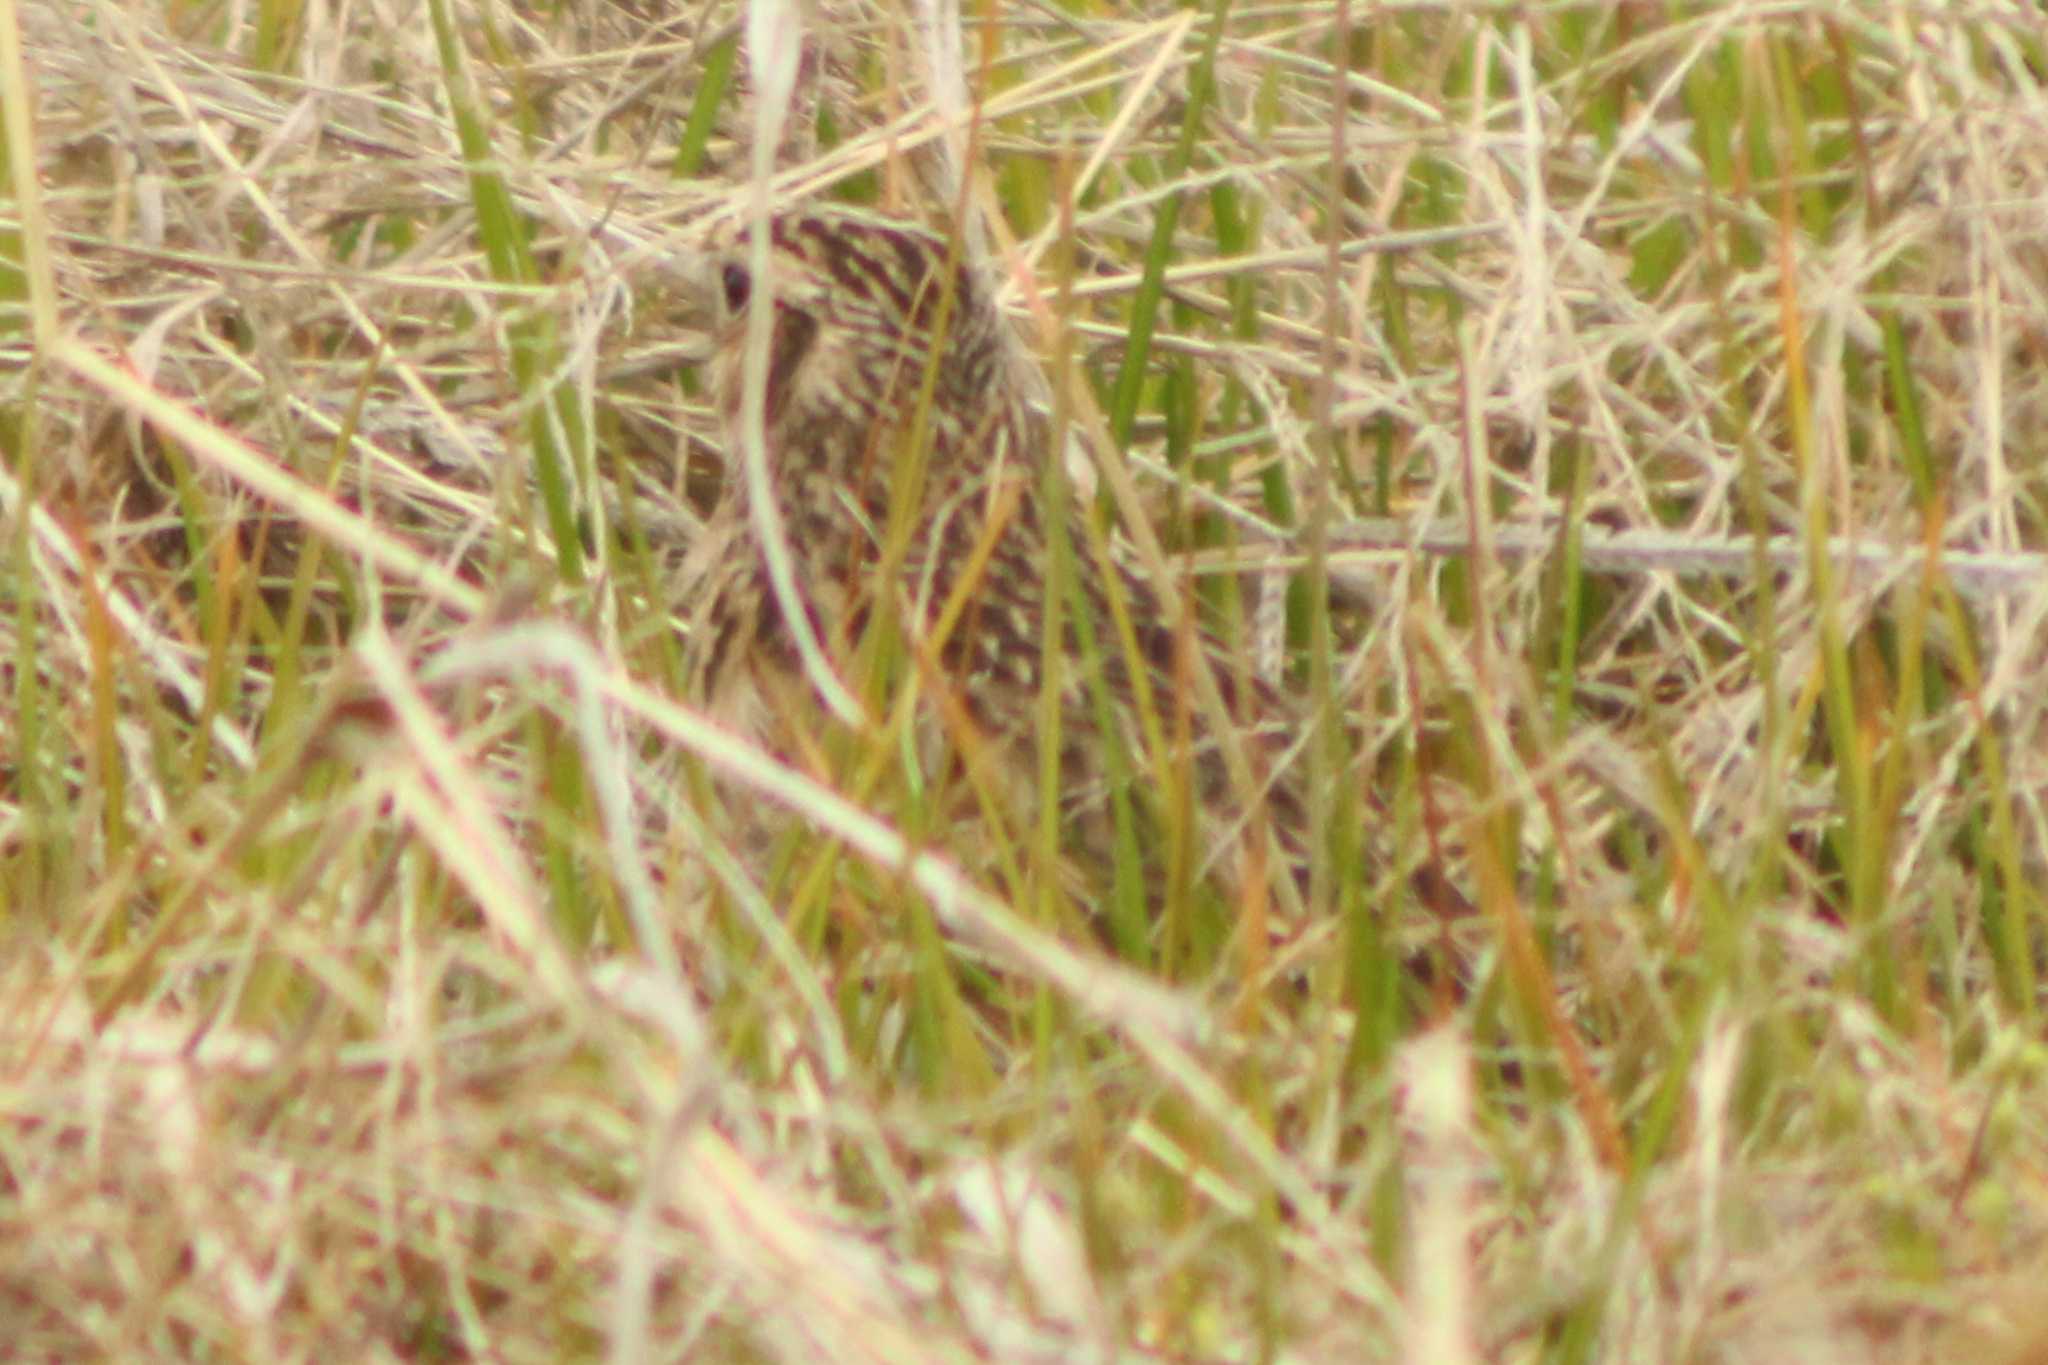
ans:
x=1616 y=424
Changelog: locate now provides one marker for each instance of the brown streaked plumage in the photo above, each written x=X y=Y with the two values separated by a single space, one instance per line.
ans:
x=857 y=302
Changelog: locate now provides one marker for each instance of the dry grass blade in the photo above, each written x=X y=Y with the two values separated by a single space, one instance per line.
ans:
x=1618 y=420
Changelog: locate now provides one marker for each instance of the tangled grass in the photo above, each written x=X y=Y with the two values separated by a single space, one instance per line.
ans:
x=1618 y=417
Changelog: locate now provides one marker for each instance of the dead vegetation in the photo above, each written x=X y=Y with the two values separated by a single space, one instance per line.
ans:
x=1655 y=392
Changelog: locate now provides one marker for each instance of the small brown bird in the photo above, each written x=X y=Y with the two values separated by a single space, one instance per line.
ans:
x=898 y=433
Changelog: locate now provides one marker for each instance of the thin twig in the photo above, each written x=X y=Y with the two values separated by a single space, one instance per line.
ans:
x=1368 y=541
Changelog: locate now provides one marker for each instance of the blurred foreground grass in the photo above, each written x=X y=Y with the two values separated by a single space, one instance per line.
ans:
x=375 y=989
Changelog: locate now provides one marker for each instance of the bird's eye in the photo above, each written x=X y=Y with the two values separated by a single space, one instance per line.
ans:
x=737 y=285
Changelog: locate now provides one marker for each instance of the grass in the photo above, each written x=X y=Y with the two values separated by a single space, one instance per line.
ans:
x=1618 y=429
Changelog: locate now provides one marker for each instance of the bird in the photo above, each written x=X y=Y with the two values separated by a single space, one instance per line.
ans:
x=857 y=299
x=906 y=471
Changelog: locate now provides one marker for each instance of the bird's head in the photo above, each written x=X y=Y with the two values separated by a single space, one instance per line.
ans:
x=858 y=302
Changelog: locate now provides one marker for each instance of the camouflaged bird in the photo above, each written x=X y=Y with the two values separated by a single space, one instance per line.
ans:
x=867 y=312
x=857 y=300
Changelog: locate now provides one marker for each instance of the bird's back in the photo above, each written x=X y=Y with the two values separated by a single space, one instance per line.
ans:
x=892 y=408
